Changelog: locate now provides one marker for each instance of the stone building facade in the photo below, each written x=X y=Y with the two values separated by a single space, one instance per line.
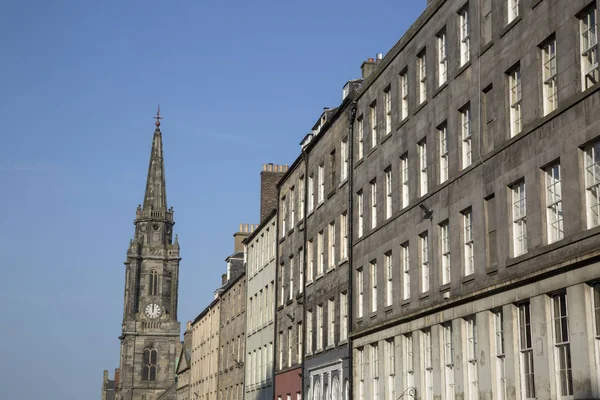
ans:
x=184 y=363
x=260 y=309
x=205 y=352
x=150 y=330
x=475 y=262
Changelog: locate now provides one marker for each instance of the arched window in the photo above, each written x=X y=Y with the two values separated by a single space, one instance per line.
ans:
x=347 y=385
x=149 y=365
x=317 y=392
x=153 y=283
x=335 y=389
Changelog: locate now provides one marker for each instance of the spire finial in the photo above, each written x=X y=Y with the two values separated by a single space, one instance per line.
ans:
x=158 y=117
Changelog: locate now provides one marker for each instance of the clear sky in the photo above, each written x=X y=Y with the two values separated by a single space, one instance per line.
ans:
x=239 y=84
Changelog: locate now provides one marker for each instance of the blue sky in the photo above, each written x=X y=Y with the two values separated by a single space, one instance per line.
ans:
x=239 y=84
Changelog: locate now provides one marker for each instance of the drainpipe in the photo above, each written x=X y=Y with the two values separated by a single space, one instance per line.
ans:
x=304 y=261
x=274 y=358
x=350 y=242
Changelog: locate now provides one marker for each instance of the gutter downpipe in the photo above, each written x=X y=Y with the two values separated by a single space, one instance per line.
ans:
x=304 y=260
x=350 y=240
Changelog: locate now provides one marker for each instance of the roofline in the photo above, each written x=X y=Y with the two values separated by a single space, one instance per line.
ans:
x=207 y=309
x=267 y=219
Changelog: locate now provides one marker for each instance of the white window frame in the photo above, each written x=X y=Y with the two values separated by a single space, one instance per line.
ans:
x=499 y=353
x=403 y=95
x=562 y=346
x=360 y=367
x=519 y=218
x=290 y=346
x=425 y=268
x=283 y=216
x=361 y=212
x=422 y=76
x=373 y=121
x=388 y=265
x=468 y=253
x=408 y=359
x=332 y=261
x=423 y=182
x=291 y=280
x=373 y=276
x=310 y=259
x=360 y=283
x=405 y=256
x=292 y=207
x=344 y=236
x=301 y=193
x=592 y=184
x=311 y=193
x=443 y=148
x=554 y=211
x=464 y=35
x=301 y=270
x=471 y=343
x=448 y=361
x=320 y=253
x=588 y=38
x=331 y=323
x=405 y=180
x=321 y=183
x=360 y=138
x=319 y=327
x=428 y=364
x=442 y=58
x=388 y=193
x=344 y=160
x=549 y=73
x=391 y=368
x=309 y=332
x=514 y=99
x=466 y=136
x=445 y=252
x=373 y=204
x=375 y=370
x=526 y=366
x=512 y=10
x=343 y=316
x=387 y=94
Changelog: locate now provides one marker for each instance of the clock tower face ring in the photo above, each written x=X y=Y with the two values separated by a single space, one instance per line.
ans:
x=152 y=311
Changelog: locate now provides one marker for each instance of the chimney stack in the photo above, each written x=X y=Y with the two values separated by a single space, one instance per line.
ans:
x=238 y=237
x=369 y=66
x=269 y=178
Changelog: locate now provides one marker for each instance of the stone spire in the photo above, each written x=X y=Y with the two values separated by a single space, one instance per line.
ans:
x=155 y=197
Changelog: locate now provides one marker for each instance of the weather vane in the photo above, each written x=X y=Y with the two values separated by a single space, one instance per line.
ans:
x=158 y=117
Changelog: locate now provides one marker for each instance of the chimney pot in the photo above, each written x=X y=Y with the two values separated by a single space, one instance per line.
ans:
x=370 y=59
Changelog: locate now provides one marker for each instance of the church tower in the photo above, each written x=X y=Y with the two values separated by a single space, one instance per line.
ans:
x=150 y=330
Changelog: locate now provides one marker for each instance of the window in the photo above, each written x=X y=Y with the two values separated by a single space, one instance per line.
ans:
x=311 y=193
x=321 y=183
x=391 y=368
x=596 y=317
x=424 y=262
x=331 y=322
x=445 y=249
x=360 y=363
x=443 y=135
x=332 y=244
x=360 y=128
x=388 y=193
x=562 y=347
x=408 y=367
x=149 y=365
x=375 y=370
x=486 y=24
x=292 y=207
x=500 y=362
x=319 y=327
x=389 y=274
x=519 y=216
x=514 y=94
x=465 y=35
x=589 y=48
x=373 y=286
x=309 y=332
x=301 y=270
x=387 y=94
x=422 y=168
x=448 y=361
x=422 y=77
x=281 y=284
x=404 y=174
x=428 y=364
x=554 y=212
x=153 y=283
x=344 y=160
x=465 y=123
x=344 y=236
x=512 y=10
x=404 y=95
x=343 y=316
x=526 y=350
x=471 y=329
x=549 y=76
x=468 y=242
x=321 y=253
x=442 y=58
x=291 y=280
x=310 y=260
x=361 y=211
x=280 y=363
x=290 y=342
x=592 y=184
x=299 y=340
x=332 y=166
x=373 y=204
x=301 y=189
x=283 y=216
x=360 y=283
x=406 y=271
x=373 y=116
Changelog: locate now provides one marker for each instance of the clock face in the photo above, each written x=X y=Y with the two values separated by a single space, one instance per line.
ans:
x=153 y=310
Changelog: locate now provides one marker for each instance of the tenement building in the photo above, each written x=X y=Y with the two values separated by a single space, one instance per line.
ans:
x=150 y=330
x=474 y=276
x=260 y=309
x=184 y=364
x=326 y=366
x=218 y=334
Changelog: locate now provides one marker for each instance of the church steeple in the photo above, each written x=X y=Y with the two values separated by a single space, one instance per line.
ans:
x=155 y=197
